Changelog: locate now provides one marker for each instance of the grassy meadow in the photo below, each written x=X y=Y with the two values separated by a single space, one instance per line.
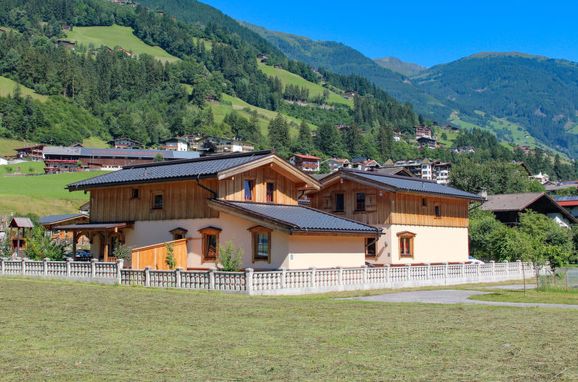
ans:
x=41 y=195
x=8 y=86
x=288 y=78
x=62 y=331
x=117 y=35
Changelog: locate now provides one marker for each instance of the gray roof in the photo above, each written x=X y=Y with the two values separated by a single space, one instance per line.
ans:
x=117 y=153
x=406 y=183
x=511 y=202
x=155 y=172
x=51 y=219
x=299 y=218
x=18 y=222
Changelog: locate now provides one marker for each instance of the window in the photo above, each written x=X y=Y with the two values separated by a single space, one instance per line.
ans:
x=339 y=202
x=249 y=189
x=158 y=201
x=210 y=243
x=270 y=192
x=423 y=202
x=360 y=201
x=438 y=211
x=406 y=244
x=178 y=233
x=370 y=247
x=261 y=243
x=135 y=193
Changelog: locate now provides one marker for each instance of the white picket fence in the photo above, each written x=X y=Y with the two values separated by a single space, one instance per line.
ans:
x=274 y=282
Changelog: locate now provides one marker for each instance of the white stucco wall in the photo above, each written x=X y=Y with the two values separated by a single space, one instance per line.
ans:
x=431 y=245
x=287 y=251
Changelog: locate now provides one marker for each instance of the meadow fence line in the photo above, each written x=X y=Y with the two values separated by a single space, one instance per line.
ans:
x=277 y=281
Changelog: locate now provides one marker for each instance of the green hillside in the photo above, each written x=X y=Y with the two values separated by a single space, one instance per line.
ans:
x=399 y=66
x=116 y=35
x=315 y=90
x=8 y=86
x=42 y=194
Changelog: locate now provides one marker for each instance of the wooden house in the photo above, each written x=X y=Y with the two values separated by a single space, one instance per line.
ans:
x=197 y=206
x=34 y=152
x=125 y=143
x=306 y=163
x=422 y=221
x=175 y=144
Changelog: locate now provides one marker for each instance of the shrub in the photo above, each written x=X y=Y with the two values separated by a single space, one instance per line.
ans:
x=122 y=252
x=230 y=258
x=170 y=260
x=40 y=245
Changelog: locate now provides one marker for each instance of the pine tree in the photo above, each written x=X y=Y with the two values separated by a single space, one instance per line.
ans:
x=305 y=139
x=279 y=135
x=329 y=141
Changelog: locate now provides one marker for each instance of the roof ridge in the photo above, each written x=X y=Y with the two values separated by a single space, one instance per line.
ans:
x=201 y=159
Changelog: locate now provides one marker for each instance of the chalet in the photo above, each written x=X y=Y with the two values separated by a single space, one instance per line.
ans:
x=17 y=229
x=541 y=178
x=570 y=203
x=364 y=164
x=335 y=164
x=198 y=206
x=426 y=142
x=349 y=94
x=30 y=152
x=67 y=44
x=125 y=143
x=422 y=221
x=423 y=131
x=507 y=207
x=223 y=146
x=306 y=163
x=175 y=144
x=426 y=169
x=59 y=159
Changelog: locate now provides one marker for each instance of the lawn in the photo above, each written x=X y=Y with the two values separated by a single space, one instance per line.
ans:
x=288 y=78
x=42 y=194
x=532 y=296
x=64 y=331
x=7 y=87
x=117 y=35
x=8 y=146
x=22 y=168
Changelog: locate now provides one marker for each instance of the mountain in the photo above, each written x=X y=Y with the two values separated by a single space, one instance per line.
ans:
x=538 y=93
x=395 y=64
x=343 y=59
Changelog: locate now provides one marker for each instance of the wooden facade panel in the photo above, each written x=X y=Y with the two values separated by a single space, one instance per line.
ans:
x=384 y=207
x=285 y=189
x=155 y=256
x=181 y=200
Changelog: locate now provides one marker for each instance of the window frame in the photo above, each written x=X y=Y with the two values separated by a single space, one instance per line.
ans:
x=255 y=232
x=134 y=193
x=357 y=193
x=179 y=231
x=154 y=204
x=273 y=192
x=335 y=195
x=205 y=233
x=252 y=189
x=410 y=237
x=371 y=242
x=437 y=211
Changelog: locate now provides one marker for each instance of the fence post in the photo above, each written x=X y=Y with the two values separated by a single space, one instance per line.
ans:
x=147 y=277
x=178 y=278
x=507 y=269
x=387 y=273
x=211 y=279
x=2 y=266
x=45 y=266
x=463 y=273
x=23 y=269
x=119 y=266
x=249 y=280
x=364 y=276
x=93 y=267
x=428 y=274
x=283 y=278
x=446 y=269
x=479 y=271
x=520 y=270
x=340 y=276
x=408 y=272
x=312 y=281
x=68 y=266
x=493 y=269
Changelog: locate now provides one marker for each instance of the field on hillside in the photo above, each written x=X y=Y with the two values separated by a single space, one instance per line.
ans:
x=7 y=87
x=117 y=35
x=41 y=194
x=54 y=330
x=8 y=146
x=22 y=168
x=95 y=142
x=288 y=78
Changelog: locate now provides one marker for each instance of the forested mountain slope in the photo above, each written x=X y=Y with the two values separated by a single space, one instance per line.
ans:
x=399 y=66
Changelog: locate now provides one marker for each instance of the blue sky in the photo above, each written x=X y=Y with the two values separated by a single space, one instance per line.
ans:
x=425 y=32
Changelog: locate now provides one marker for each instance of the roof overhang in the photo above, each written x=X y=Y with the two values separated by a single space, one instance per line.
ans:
x=114 y=227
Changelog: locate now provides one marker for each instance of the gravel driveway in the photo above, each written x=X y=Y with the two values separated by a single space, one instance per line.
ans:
x=453 y=297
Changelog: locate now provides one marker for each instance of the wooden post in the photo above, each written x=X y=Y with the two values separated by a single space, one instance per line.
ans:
x=74 y=239
x=249 y=280
x=106 y=246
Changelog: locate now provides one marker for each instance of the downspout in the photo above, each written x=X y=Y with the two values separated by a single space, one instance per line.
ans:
x=215 y=195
